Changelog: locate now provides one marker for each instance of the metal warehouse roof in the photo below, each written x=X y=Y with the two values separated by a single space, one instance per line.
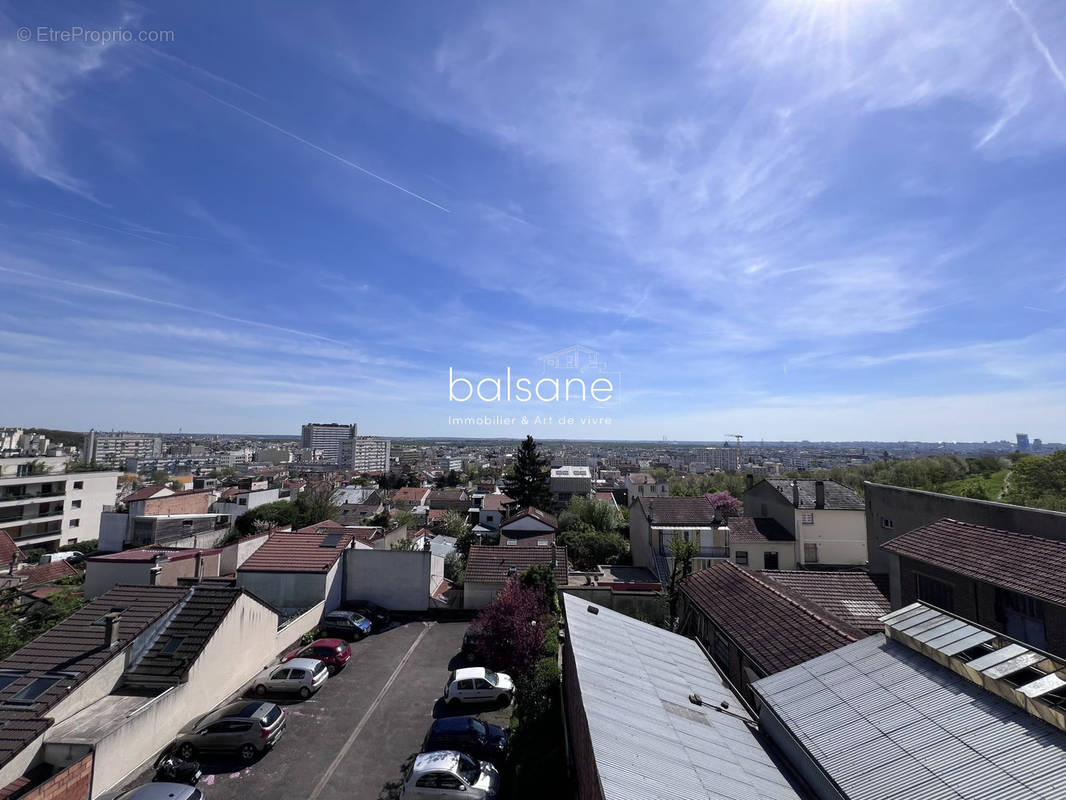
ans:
x=884 y=721
x=650 y=742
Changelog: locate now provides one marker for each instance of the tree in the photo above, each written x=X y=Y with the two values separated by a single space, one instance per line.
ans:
x=1039 y=482
x=403 y=516
x=449 y=479
x=383 y=519
x=584 y=512
x=724 y=503
x=455 y=568
x=683 y=551
x=541 y=579
x=587 y=547
x=315 y=504
x=276 y=514
x=453 y=524
x=528 y=484
x=159 y=477
x=403 y=544
x=512 y=633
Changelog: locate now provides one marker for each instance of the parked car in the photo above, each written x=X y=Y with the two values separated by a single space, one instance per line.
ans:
x=478 y=685
x=379 y=617
x=245 y=727
x=467 y=735
x=160 y=791
x=302 y=676
x=471 y=641
x=334 y=653
x=346 y=624
x=447 y=773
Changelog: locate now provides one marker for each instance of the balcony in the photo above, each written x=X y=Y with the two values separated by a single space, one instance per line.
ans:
x=23 y=497
x=703 y=552
x=18 y=513
x=33 y=531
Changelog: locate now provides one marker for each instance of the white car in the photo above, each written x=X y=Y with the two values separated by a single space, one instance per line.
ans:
x=302 y=676
x=449 y=773
x=478 y=685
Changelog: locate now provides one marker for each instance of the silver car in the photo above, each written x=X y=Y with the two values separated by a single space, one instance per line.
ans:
x=302 y=676
x=449 y=773
x=160 y=791
x=247 y=727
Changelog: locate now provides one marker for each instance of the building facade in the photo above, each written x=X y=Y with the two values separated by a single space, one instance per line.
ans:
x=49 y=511
x=327 y=437
x=365 y=454
x=114 y=449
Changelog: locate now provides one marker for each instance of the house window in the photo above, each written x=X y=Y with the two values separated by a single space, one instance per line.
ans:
x=1021 y=616
x=810 y=553
x=742 y=558
x=808 y=517
x=79 y=484
x=74 y=523
x=75 y=503
x=887 y=524
x=720 y=651
x=934 y=592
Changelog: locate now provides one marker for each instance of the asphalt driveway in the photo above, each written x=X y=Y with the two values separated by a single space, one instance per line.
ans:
x=356 y=737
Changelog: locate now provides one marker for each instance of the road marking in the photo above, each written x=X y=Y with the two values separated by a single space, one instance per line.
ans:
x=366 y=717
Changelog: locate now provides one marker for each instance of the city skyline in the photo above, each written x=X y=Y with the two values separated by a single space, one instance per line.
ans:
x=799 y=220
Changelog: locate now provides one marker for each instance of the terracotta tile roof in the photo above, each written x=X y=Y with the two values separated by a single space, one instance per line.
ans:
x=152 y=553
x=305 y=552
x=851 y=596
x=535 y=513
x=8 y=548
x=44 y=573
x=410 y=494
x=641 y=478
x=837 y=496
x=325 y=525
x=492 y=564
x=1022 y=563
x=606 y=497
x=435 y=514
x=143 y=494
x=496 y=502
x=696 y=511
x=77 y=646
x=775 y=627
x=757 y=529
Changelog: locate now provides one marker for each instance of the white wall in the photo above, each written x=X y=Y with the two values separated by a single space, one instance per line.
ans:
x=103 y=575
x=113 y=529
x=99 y=489
x=839 y=534
x=528 y=524
x=786 y=553
x=234 y=555
x=400 y=580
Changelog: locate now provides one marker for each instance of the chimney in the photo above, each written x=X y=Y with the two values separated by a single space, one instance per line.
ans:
x=749 y=481
x=555 y=559
x=819 y=494
x=153 y=575
x=796 y=494
x=14 y=562
x=111 y=628
x=198 y=566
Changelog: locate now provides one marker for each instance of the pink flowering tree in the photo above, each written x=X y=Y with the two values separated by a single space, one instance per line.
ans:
x=511 y=632
x=724 y=503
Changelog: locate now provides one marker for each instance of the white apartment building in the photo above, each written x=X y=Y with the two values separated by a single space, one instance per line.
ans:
x=327 y=437
x=726 y=459
x=366 y=454
x=112 y=449
x=49 y=509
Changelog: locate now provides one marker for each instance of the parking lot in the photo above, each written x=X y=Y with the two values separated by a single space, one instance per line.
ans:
x=356 y=736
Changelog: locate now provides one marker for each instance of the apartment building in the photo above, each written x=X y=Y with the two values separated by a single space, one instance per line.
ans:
x=49 y=509
x=641 y=484
x=114 y=449
x=654 y=523
x=827 y=519
x=327 y=437
x=570 y=482
x=365 y=454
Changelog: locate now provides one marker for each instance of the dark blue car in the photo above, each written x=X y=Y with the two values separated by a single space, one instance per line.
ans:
x=345 y=624
x=467 y=735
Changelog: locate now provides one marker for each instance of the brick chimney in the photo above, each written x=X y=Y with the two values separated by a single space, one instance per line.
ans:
x=796 y=494
x=819 y=494
x=198 y=566
x=111 y=628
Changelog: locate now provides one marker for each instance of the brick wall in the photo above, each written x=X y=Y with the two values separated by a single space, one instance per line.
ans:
x=178 y=504
x=73 y=783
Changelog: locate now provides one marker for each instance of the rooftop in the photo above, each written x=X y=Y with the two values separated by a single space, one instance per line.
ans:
x=883 y=720
x=494 y=564
x=45 y=670
x=694 y=511
x=775 y=627
x=143 y=494
x=649 y=741
x=8 y=548
x=535 y=513
x=757 y=529
x=147 y=554
x=571 y=472
x=837 y=496
x=1017 y=561
x=44 y=573
x=851 y=596
x=309 y=552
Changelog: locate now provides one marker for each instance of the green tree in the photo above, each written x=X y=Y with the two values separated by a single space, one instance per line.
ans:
x=455 y=568
x=453 y=523
x=541 y=579
x=528 y=484
x=403 y=544
x=1039 y=482
x=682 y=551
x=590 y=513
x=315 y=504
x=587 y=547
x=277 y=514
x=159 y=477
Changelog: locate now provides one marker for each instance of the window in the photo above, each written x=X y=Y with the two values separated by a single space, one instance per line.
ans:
x=172 y=645
x=74 y=523
x=466 y=685
x=769 y=560
x=451 y=782
x=36 y=689
x=934 y=592
x=7 y=678
x=810 y=553
x=430 y=781
x=75 y=503
x=78 y=484
x=808 y=518
x=280 y=675
x=742 y=558
x=887 y=524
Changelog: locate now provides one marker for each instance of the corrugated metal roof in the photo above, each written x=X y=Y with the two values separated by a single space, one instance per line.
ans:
x=650 y=742
x=908 y=727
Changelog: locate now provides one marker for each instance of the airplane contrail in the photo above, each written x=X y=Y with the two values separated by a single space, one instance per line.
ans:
x=1039 y=43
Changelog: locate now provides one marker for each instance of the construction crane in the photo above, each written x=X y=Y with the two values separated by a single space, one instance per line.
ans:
x=738 y=437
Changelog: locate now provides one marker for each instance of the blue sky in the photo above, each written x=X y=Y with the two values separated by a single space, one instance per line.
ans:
x=794 y=219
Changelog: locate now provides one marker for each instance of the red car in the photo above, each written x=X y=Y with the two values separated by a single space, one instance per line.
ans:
x=334 y=653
